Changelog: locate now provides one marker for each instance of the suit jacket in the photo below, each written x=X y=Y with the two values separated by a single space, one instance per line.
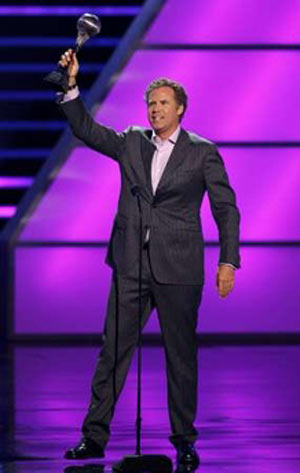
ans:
x=195 y=166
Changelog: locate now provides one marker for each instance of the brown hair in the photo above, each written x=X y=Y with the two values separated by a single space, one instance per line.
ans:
x=179 y=92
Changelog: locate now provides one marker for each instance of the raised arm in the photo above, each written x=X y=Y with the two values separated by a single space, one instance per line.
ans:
x=96 y=136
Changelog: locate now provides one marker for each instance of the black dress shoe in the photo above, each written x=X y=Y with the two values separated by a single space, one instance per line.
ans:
x=87 y=448
x=187 y=456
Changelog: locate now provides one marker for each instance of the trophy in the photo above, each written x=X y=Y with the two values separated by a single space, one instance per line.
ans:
x=88 y=25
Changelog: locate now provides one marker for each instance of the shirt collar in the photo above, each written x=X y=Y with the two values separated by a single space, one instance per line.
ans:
x=172 y=139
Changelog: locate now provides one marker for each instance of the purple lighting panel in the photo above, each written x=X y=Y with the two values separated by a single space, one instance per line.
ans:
x=93 y=181
x=12 y=182
x=227 y=21
x=233 y=96
x=265 y=181
x=67 y=11
x=7 y=211
x=69 y=287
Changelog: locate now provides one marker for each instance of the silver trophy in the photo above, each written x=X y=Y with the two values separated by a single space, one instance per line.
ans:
x=88 y=25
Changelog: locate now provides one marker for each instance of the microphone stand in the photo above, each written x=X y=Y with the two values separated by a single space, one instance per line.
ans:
x=139 y=463
x=139 y=343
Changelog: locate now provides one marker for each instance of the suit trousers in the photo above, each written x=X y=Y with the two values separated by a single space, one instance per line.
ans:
x=177 y=308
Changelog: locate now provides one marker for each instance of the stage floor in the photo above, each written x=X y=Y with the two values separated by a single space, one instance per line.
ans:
x=248 y=413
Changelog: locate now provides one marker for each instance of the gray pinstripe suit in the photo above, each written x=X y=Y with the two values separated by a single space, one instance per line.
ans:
x=173 y=273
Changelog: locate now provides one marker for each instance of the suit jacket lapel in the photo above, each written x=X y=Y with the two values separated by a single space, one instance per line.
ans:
x=147 y=150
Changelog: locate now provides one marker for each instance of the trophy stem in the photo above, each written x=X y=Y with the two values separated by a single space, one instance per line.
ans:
x=80 y=40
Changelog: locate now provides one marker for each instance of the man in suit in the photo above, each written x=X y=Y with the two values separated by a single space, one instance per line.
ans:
x=168 y=170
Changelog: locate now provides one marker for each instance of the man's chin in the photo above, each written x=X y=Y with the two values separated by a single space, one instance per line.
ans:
x=157 y=126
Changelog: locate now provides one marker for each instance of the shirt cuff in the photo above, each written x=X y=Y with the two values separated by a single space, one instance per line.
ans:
x=70 y=95
x=228 y=264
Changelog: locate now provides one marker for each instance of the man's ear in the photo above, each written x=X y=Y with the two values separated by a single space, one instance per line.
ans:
x=180 y=110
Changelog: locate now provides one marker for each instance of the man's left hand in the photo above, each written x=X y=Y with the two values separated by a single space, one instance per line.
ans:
x=225 y=280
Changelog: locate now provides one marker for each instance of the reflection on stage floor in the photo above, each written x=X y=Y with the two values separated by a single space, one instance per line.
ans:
x=248 y=411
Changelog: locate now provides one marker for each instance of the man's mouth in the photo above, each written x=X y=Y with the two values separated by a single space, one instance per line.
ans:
x=157 y=119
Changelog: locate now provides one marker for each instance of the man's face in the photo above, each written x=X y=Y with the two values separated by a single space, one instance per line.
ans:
x=163 y=110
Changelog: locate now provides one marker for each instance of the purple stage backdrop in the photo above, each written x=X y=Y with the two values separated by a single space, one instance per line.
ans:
x=69 y=288
x=227 y=21
x=234 y=96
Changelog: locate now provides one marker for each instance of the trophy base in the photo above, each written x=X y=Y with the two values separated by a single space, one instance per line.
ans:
x=59 y=78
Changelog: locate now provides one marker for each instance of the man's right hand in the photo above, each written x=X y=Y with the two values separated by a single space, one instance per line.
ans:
x=69 y=60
